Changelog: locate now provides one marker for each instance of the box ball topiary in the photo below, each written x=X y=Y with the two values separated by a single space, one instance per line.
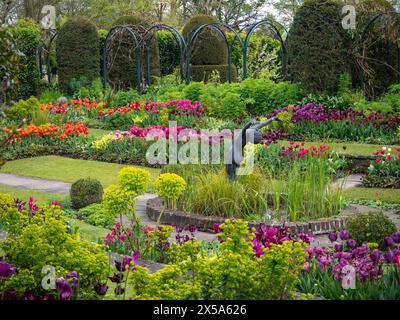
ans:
x=370 y=227
x=85 y=192
x=123 y=72
x=77 y=50
x=318 y=46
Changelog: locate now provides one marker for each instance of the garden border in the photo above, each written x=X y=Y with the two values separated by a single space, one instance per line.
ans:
x=155 y=207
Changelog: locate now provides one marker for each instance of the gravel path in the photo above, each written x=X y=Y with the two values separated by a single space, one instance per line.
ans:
x=20 y=182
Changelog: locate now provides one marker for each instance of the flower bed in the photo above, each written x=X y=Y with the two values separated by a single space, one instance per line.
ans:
x=384 y=171
x=314 y=121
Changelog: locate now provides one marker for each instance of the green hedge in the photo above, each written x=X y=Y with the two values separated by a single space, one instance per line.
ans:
x=381 y=48
x=77 y=52
x=317 y=46
x=209 y=47
x=169 y=52
x=27 y=37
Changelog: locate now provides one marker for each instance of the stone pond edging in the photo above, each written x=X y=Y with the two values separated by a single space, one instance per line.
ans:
x=155 y=206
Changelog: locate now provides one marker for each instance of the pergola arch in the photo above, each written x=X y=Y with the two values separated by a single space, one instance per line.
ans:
x=178 y=38
x=191 y=39
x=136 y=41
x=363 y=42
x=273 y=25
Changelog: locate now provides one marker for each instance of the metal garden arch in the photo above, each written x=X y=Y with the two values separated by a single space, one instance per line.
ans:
x=136 y=42
x=216 y=27
x=178 y=38
x=274 y=26
x=363 y=39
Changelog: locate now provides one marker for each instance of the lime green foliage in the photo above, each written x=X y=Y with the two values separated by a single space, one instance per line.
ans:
x=374 y=194
x=93 y=91
x=27 y=36
x=85 y=191
x=35 y=241
x=23 y=109
x=170 y=186
x=67 y=169
x=120 y=202
x=134 y=180
x=234 y=273
x=370 y=227
x=77 y=38
x=96 y=214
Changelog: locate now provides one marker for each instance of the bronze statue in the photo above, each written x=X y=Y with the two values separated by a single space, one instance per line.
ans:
x=250 y=130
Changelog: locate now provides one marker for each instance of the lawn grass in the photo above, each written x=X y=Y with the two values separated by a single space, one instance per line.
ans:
x=98 y=133
x=24 y=194
x=86 y=231
x=67 y=169
x=350 y=148
x=374 y=194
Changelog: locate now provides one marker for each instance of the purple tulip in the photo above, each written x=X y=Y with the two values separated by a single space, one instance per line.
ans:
x=396 y=237
x=64 y=289
x=135 y=257
x=119 y=290
x=351 y=244
x=116 y=278
x=389 y=256
x=74 y=276
x=192 y=228
x=101 y=289
x=389 y=241
x=216 y=228
x=344 y=234
x=332 y=236
x=6 y=270
x=375 y=255
x=338 y=247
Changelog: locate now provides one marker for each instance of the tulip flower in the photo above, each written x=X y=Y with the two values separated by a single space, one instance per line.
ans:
x=344 y=234
x=6 y=270
x=332 y=236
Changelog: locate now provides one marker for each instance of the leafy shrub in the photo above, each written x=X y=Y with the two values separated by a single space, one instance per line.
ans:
x=121 y=202
x=134 y=180
x=193 y=91
x=23 y=109
x=232 y=106
x=170 y=186
x=43 y=240
x=317 y=46
x=233 y=273
x=77 y=38
x=204 y=73
x=27 y=37
x=370 y=227
x=97 y=215
x=85 y=192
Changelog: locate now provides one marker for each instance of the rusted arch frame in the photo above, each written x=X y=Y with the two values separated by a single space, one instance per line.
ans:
x=216 y=27
x=178 y=38
x=275 y=27
x=136 y=39
x=47 y=49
